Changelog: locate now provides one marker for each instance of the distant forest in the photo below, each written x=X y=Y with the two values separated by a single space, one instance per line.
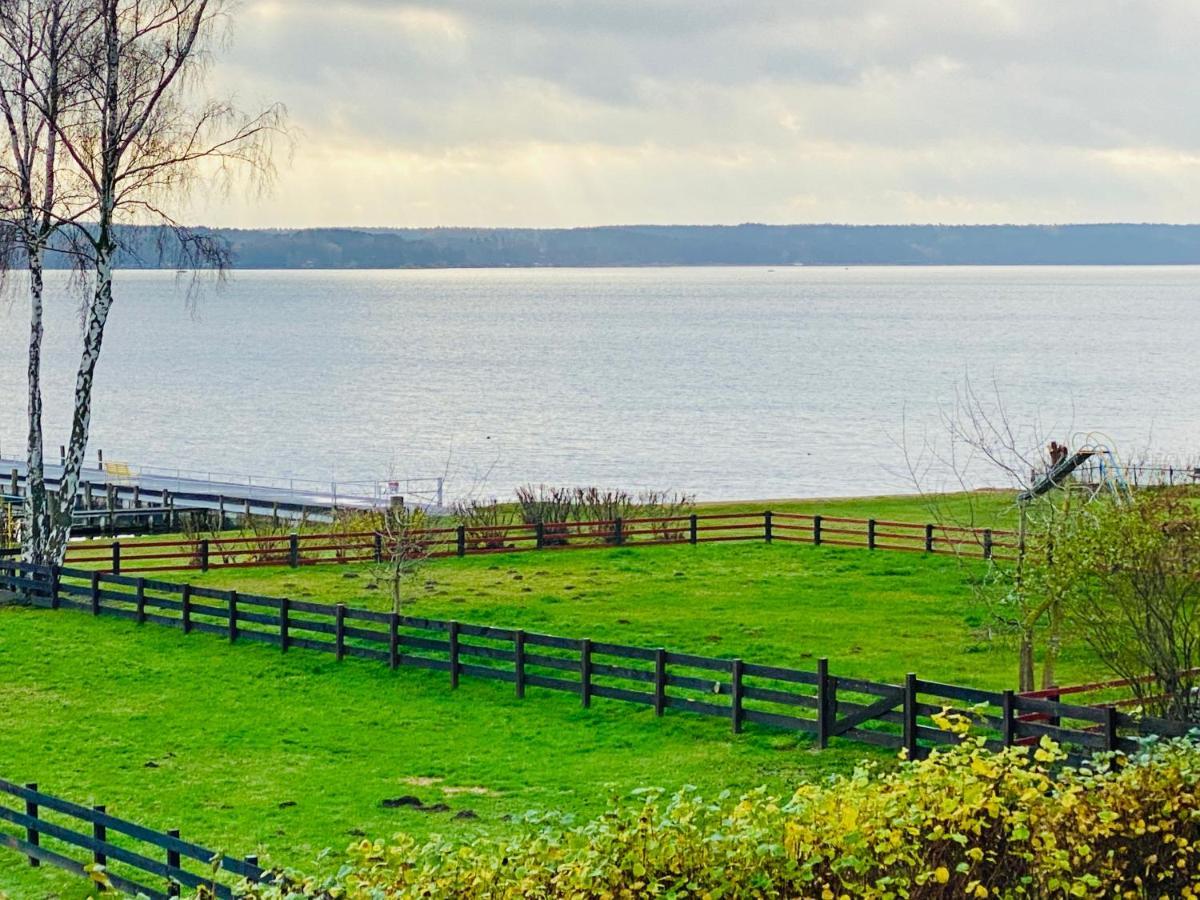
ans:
x=690 y=245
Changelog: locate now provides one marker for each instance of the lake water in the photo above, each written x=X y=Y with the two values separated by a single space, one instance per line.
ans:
x=723 y=381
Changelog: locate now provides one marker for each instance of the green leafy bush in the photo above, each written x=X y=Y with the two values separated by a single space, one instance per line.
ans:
x=964 y=823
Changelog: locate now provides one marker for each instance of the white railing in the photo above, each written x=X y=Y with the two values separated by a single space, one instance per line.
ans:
x=426 y=489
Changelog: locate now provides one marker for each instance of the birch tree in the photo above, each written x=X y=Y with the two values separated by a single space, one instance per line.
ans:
x=39 y=74
x=142 y=136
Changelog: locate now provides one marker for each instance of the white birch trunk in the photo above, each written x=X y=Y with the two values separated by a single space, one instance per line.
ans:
x=37 y=508
x=93 y=338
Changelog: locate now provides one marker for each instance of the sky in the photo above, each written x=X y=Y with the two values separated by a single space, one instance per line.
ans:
x=589 y=112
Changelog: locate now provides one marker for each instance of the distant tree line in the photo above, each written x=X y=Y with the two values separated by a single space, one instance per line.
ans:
x=686 y=245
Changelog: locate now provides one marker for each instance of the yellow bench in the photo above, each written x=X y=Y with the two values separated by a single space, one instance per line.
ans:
x=118 y=472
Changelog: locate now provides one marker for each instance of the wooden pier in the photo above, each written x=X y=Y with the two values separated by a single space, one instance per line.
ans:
x=118 y=497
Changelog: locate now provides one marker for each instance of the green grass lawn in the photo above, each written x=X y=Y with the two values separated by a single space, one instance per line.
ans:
x=873 y=614
x=221 y=740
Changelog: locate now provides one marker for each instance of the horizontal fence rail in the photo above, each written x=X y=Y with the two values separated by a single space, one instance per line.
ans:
x=300 y=549
x=817 y=702
x=131 y=858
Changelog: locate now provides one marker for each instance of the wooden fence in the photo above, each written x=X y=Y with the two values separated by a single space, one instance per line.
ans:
x=819 y=702
x=48 y=829
x=299 y=549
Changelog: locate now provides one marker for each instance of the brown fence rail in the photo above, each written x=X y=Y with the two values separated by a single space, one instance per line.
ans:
x=469 y=540
x=48 y=829
x=817 y=702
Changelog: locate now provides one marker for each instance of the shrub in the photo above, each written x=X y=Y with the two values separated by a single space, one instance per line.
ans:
x=1135 y=597
x=963 y=823
x=485 y=523
x=549 y=507
x=593 y=504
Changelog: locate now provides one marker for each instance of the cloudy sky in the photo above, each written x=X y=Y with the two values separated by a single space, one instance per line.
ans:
x=577 y=112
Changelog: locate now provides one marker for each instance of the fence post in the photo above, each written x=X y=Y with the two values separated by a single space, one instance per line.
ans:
x=339 y=632
x=221 y=513
x=585 y=673
x=141 y=601
x=823 y=704
x=186 y=609
x=660 y=681
x=910 y=717
x=116 y=557
x=95 y=593
x=539 y=533
x=172 y=862
x=1008 y=725
x=203 y=555
x=693 y=528
x=618 y=531
x=1110 y=728
x=232 y=598
x=13 y=485
x=735 y=695
x=870 y=534
x=100 y=833
x=768 y=532
x=987 y=543
x=378 y=547
x=31 y=833
x=55 y=587
x=929 y=537
x=460 y=537
x=816 y=531
x=519 y=661
x=293 y=550
x=394 y=641
x=453 y=654
x=285 y=610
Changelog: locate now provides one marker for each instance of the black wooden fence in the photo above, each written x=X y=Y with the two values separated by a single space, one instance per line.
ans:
x=48 y=829
x=817 y=702
x=312 y=548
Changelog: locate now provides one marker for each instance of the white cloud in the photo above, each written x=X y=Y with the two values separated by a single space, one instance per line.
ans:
x=552 y=112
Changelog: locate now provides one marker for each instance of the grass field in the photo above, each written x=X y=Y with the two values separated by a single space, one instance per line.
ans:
x=875 y=615
x=221 y=740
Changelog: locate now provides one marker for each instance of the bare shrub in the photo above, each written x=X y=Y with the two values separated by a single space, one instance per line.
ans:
x=263 y=544
x=549 y=507
x=485 y=523
x=663 y=505
x=593 y=504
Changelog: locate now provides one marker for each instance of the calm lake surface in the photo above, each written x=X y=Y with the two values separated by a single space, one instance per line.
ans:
x=727 y=382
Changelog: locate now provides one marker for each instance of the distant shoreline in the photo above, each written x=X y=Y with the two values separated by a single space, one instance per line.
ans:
x=682 y=246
